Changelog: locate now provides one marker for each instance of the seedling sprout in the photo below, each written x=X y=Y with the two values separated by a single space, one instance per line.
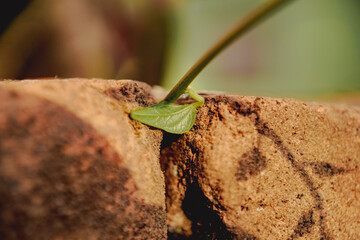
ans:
x=179 y=119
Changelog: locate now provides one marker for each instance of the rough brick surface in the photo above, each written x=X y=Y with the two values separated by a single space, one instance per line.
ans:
x=263 y=168
x=73 y=165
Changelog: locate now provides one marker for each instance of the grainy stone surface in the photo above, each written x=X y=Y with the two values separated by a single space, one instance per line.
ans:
x=73 y=165
x=264 y=168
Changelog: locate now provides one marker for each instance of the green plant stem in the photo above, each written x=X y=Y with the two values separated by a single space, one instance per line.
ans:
x=244 y=25
x=199 y=99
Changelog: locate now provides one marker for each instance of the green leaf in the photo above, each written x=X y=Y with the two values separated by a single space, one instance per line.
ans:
x=169 y=117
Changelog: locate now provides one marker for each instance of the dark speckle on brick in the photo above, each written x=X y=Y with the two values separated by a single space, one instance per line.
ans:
x=304 y=225
x=325 y=169
x=131 y=93
x=250 y=163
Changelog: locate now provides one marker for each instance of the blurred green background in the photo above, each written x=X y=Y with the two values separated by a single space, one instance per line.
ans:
x=309 y=50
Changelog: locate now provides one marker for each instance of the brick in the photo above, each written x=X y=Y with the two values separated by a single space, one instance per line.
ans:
x=73 y=165
x=265 y=168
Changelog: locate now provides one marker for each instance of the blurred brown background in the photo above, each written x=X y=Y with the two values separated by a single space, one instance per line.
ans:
x=310 y=50
x=83 y=38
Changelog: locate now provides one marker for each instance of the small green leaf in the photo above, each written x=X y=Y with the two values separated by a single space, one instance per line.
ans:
x=168 y=116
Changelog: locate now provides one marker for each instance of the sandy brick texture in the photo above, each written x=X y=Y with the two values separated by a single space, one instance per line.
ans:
x=73 y=165
x=265 y=168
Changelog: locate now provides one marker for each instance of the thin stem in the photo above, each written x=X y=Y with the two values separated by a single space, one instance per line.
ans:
x=244 y=25
x=199 y=99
